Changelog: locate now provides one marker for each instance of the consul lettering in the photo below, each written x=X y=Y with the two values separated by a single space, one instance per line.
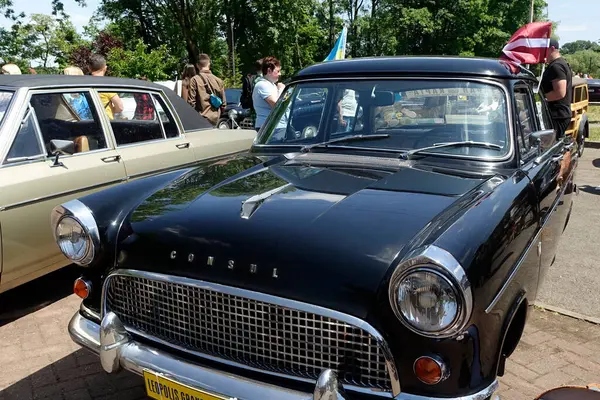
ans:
x=210 y=261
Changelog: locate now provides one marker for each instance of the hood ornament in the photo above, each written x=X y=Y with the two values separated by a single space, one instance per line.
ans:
x=252 y=204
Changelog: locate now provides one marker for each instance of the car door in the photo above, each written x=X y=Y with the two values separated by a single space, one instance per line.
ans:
x=544 y=171
x=147 y=136
x=33 y=180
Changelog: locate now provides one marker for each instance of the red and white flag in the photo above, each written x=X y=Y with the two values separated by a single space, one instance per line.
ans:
x=529 y=44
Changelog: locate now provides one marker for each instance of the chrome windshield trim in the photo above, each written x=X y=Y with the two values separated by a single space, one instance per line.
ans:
x=267 y=298
x=489 y=81
x=438 y=260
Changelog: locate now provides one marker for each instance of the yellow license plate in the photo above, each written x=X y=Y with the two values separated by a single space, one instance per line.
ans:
x=161 y=388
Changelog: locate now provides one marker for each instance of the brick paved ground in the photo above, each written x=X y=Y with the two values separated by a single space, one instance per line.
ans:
x=38 y=359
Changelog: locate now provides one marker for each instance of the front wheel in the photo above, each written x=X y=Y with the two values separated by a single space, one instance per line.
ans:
x=581 y=143
x=224 y=124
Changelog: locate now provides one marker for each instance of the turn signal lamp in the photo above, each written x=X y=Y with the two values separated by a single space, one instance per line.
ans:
x=430 y=370
x=82 y=288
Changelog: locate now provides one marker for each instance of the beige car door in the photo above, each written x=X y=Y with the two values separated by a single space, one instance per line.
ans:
x=147 y=136
x=33 y=181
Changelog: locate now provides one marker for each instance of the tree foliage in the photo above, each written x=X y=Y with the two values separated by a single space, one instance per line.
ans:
x=298 y=32
x=140 y=62
x=579 y=45
x=585 y=62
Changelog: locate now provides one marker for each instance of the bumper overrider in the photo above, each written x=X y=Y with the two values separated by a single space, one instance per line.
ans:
x=118 y=350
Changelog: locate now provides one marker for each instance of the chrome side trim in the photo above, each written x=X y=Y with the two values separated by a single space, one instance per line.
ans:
x=184 y=166
x=533 y=244
x=81 y=213
x=57 y=195
x=293 y=304
x=441 y=261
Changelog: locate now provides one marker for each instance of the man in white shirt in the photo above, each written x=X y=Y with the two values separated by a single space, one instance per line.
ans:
x=267 y=91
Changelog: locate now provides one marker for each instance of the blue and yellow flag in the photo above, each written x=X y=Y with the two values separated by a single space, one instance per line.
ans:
x=339 y=50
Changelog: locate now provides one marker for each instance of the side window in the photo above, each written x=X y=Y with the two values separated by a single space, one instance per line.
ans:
x=27 y=143
x=133 y=117
x=542 y=111
x=525 y=121
x=167 y=120
x=69 y=116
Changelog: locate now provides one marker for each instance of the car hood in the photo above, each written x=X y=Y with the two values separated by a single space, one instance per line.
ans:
x=325 y=235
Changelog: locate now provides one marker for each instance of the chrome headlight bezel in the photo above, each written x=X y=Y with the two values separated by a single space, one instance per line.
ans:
x=81 y=214
x=440 y=262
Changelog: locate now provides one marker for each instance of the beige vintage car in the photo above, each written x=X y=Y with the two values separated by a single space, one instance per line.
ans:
x=62 y=137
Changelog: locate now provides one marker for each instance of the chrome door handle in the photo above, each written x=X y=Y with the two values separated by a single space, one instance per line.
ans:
x=183 y=145
x=111 y=159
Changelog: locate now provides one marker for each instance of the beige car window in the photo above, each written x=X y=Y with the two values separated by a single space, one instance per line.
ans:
x=26 y=144
x=134 y=117
x=166 y=118
x=68 y=116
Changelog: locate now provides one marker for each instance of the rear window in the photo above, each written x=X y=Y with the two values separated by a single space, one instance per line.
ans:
x=5 y=98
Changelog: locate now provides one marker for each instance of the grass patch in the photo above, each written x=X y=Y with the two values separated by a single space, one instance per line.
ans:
x=594 y=134
x=593 y=114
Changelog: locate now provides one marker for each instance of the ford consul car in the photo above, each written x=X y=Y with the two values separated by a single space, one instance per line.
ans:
x=61 y=139
x=383 y=238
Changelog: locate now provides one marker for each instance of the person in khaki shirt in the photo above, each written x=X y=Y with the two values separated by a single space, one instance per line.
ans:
x=201 y=87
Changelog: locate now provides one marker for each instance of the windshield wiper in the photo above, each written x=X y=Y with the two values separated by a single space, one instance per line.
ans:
x=408 y=155
x=309 y=147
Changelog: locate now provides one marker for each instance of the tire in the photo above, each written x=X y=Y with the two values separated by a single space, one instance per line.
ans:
x=223 y=124
x=581 y=143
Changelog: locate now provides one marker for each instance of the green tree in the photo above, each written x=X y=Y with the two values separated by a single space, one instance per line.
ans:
x=155 y=64
x=585 y=61
x=579 y=45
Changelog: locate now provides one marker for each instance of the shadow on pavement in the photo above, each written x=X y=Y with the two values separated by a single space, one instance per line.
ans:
x=590 y=189
x=596 y=163
x=37 y=294
x=76 y=376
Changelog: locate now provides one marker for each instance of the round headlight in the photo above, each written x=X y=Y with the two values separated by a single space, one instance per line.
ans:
x=233 y=113
x=428 y=301
x=74 y=241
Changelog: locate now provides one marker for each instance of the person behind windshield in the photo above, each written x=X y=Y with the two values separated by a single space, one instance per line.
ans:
x=267 y=91
x=347 y=110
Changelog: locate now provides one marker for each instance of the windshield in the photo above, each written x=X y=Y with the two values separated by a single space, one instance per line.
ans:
x=5 y=98
x=233 y=96
x=414 y=113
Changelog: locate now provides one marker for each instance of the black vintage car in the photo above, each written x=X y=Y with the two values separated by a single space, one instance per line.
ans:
x=383 y=238
x=594 y=90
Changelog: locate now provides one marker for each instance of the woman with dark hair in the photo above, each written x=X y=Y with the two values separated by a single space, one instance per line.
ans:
x=188 y=73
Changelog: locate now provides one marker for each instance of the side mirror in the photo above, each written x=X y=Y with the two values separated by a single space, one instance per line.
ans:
x=58 y=147
x=543 y=140
x=62 y=146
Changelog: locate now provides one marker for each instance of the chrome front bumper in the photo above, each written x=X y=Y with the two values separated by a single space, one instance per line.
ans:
x=117 y=350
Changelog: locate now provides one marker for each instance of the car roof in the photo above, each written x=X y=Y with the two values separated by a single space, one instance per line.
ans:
x=190 y=119
x=44 y=81
x=417 y=65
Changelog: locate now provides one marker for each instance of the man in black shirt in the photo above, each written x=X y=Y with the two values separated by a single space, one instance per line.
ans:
x=558 y=87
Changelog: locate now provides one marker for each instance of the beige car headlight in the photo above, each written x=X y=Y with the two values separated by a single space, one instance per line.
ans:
x=75 y=232
x=431 y=294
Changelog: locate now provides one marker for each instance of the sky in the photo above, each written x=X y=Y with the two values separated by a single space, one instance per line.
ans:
x=577 y=22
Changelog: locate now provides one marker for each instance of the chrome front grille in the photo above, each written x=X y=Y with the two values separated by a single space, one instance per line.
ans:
x=247 y=328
